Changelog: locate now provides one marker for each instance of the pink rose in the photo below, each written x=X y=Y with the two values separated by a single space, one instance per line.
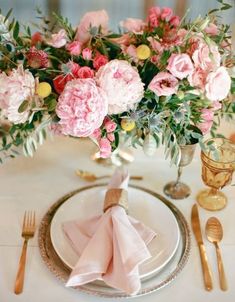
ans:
x=207 y=114
x=71 y=68
x=205 y=126
x=180 y=65
x=87 y=53
x=59 y=39
x=74 y=48
x=206 y=58
x=212 y=29
x=105 y=148
x=109 y=125
x=81 y=108
x=91 y=19
x=198 y=78
x=218 y=84
x=96 y=134
x=166 y=13
x=99 y=60
x=164 y=83
x=133 y=25
x=85 y=72
x=111 y=137
x=153 y=16
x=175 y=21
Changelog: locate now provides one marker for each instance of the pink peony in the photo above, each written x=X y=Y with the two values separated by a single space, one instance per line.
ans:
x=59 y=39
x=74 y=48
x=81 y=107
x=122 y=84
x=91 y=19
x=180 y=65
x=37 y=58
x=99 y=60
x=218 y=84
x=198 y=78
x=105 y=148
x=14 y=89
x=212 y=29
x=85 y=72
x=166 y=14
x=153 y=16
x=87 y=53
x=205 y=127
x=206 y=58
x=164 y=84
x=109 y=125
x=133 y=25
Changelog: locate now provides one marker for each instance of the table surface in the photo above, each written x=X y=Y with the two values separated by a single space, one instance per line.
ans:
x=36 y=183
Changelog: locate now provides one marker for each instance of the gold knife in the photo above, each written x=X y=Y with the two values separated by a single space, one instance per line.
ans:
x=198 y=235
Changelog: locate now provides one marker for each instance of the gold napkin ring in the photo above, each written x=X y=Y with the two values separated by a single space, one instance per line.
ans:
x=116 y=197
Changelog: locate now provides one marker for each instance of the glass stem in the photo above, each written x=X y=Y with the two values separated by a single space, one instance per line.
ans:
x=179 y=172
x=213 y=191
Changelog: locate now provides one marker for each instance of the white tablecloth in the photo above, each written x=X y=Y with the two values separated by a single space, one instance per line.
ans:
x=36 y=183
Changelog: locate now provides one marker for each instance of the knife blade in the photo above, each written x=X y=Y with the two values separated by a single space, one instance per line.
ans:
x=195 y=221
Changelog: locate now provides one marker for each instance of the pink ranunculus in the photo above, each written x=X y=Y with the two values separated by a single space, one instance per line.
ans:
x=166 y=14
x=92 y=19
x=198 y=78
x=164 y=83
x=212 y=29
x=218 y=84
x=180 y=65
x=14 y=89
x=109 y=125
x=205 y=126
x=85 y=72
x=133 y=25
x=74 y=48
x=99 y=60
x=122 y=84
x=154 y=16
x=81 y=107
x=59 y=39
x=87 y=53
x=175 y=21
x=206 y=57
x=207 y=114
x=216 y=105
x=105 y=148
x=110 y=137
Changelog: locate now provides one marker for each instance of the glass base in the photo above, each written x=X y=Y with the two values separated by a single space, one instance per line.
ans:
x=211 y=201
x=177 y=190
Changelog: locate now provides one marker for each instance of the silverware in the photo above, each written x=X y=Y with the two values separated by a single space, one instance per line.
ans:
x=28 y=231
x=214 y=232
x=204 y=261
x=88 y=176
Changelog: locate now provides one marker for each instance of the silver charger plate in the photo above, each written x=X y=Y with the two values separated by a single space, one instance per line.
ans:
x=158 y=281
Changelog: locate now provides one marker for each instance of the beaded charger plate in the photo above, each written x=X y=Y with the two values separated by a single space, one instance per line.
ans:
x=156 y=282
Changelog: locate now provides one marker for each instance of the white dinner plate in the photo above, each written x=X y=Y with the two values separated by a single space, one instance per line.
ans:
x=142 y=206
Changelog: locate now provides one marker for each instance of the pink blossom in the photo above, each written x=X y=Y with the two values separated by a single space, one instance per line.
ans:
x=216 y=105
x=14 y=89
x=37 y=58
x=122 y=40
x=166 y=14
x=205 y=57
x=81 y=107
x=175 y=21
x=96 y=134
x=110 y=137
x=218 y=84
x=85 y=72
x=87 y=53
x=205 y=126
x=74 y=48
x=153 y=16
x=133 y=25
x=198 y=78
x=131 y=52
x=164 y=84
x=180 y=65
x=207 y=114
x=109 y=125
x=99 y=60
x=156 y=45
x=122 y=84
x=105 y=148
x=59 y=39
x=92 y=19
x=36 y=38
x=212 y=29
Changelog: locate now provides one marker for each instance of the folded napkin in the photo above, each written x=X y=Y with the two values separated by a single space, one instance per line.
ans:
x=110 y=246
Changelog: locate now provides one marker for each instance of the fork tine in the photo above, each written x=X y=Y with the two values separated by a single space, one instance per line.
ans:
x=34 y=219
x=24 y=220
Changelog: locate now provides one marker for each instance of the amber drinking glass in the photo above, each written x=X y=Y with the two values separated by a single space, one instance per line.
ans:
x=217 y=171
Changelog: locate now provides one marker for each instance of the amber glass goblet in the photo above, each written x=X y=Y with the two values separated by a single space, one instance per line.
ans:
x=217 y=170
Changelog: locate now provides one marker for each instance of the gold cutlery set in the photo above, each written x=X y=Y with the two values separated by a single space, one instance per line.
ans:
x=214 y=233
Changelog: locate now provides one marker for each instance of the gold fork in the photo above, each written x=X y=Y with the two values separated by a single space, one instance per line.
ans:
x=28 y=231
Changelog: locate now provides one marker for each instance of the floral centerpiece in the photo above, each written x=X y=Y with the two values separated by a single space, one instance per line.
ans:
x=161 y=80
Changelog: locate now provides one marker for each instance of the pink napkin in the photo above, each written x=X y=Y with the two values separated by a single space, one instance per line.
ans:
x=110 y=246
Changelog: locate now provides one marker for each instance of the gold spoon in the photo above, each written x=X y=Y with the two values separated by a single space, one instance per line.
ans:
x=88 y=176
x=214 y=232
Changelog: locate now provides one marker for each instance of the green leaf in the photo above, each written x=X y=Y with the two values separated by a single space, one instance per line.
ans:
x=8 y=15
x=16 y=30
x=23 y=106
